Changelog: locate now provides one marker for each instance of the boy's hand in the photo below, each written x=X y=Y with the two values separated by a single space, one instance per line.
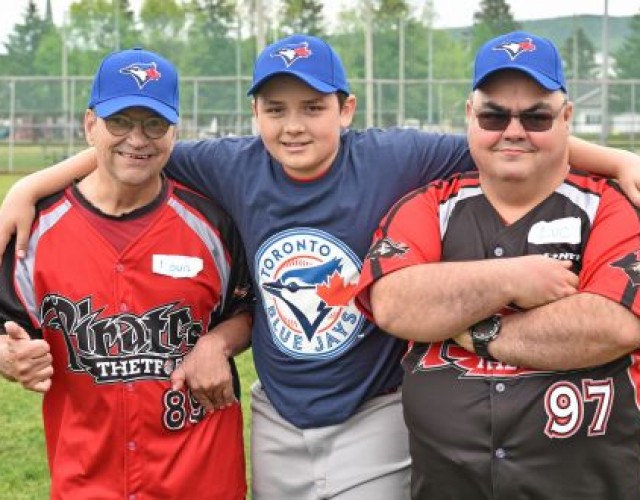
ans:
x=206 y=371
x=629 y=181
x=16 y=217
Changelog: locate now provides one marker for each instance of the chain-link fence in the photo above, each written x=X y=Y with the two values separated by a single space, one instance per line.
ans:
x=41 y=118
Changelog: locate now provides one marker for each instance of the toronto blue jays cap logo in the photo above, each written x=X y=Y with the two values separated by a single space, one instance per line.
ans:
x=542 y=60
x=515 y=48
x=142 y=73
x=291 y=53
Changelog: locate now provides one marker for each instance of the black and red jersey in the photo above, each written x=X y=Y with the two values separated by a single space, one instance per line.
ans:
x=481 y=429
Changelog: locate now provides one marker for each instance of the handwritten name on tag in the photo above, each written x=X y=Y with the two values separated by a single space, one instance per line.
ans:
x=566 y=230
x=177 y=266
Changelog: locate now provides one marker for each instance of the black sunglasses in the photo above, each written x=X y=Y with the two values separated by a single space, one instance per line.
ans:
x=532 y=121
x=153 y=127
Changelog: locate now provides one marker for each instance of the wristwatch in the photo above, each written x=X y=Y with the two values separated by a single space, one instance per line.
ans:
x=484 y=332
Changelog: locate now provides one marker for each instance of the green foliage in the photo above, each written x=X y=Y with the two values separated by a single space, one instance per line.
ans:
x=25 y=57
x=302 y=16
x=558 y=28
x=388 y=13
x=48 y=55
x=494 y=18
x=163 y=22
x=128 y=34
x=92 y=26
x=210 y=19
x=578 y=54
x=211 y=49
x=627 y=66
x=449 y=58
x=215 y=38
x=200 y=36
x=626 y=57
x=23 y=43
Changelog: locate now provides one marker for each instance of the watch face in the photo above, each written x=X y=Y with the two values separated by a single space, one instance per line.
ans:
x=486 y=330
x=482 y=334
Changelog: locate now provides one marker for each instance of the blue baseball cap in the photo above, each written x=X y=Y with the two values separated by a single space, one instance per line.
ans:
x=536 y=56
x=135 y=78
x=308 y=58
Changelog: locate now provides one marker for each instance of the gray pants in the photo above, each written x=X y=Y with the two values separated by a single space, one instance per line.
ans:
x=366 y=457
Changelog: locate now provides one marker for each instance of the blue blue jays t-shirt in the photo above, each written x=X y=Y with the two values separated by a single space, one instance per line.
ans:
x=317 y=357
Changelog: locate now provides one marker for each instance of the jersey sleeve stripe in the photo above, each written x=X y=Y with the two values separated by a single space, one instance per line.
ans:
x=24 y=273
x=210 y=239
x=587 y=201
x=448 y=206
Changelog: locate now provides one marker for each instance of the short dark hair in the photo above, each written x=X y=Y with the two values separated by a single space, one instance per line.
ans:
x=342 y=98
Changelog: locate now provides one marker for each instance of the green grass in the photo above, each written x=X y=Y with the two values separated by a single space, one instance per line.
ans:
x=23 y=464
x=25 y=158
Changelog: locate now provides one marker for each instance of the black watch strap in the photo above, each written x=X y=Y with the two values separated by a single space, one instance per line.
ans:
x=483 y=332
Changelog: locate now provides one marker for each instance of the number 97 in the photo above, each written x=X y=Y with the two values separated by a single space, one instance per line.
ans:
x=564 y=403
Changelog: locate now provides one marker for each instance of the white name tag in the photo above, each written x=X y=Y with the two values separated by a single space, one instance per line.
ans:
x=177 y=266
x=565 y=230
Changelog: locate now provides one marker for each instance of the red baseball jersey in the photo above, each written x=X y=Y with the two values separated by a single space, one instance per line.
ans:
x=481 y=429
x=121 y=301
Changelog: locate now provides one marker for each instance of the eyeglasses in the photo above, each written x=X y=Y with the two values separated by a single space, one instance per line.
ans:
x=153 y=127
x=532 y=121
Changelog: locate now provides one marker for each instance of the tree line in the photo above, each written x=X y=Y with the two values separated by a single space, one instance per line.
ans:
x=218 y=37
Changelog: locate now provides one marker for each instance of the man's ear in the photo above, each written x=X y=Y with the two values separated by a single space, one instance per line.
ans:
x=468 y=109
x=568 y=113
x=90 y=122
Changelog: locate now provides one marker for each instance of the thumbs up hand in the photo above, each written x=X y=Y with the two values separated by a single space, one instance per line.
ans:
x=25 y=360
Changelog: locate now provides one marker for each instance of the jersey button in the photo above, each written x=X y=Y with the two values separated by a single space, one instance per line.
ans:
x=123 y=306
x=119 y=268
x=133 y=497
x=131 y=445
x=498 y=251
x=500 y=387
x=500 y=453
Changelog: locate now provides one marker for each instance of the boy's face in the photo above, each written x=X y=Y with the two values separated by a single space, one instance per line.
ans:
x=300 y=127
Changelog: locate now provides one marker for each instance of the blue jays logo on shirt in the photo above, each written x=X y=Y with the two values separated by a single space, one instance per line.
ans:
x=515 y=48
x=306 y=278
x=291 y=53
x=142 y=73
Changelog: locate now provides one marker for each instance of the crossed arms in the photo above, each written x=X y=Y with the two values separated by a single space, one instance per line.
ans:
x=560 y=328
